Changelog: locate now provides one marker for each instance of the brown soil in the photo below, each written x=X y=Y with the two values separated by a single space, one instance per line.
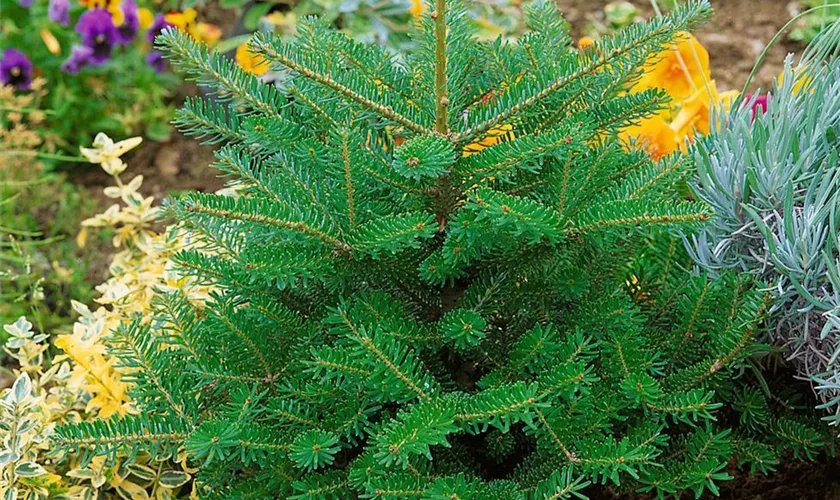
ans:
x=181 y=164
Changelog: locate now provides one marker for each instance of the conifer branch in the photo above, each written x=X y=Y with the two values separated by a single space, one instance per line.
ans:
x=252 y=346
x=312 y=104
x=441 y=99
x=389 y=364
x=235 y=378
x=640 y=220
x=571 y=457
x=389 y=320
x=658 y=32
x=264 y=47
x=349 y=184
x=195 y=205
x=137 y=353
x=194 y=58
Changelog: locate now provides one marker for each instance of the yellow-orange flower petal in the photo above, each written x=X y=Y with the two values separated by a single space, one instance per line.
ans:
x=116 y=14
x=208 y=33
x=653 y=134
x=803 y=80
x=494 y=136
x=250 y=61
x=146 y=17
x=418 y=7
x=585 y=41
x=51 y=42
x=184 y=21
x=680 y=69
x=727 y=99
x=694 y=114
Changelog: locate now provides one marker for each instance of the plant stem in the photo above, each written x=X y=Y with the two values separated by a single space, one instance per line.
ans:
x=441 y=101
x=45 y=156
x=771 y=43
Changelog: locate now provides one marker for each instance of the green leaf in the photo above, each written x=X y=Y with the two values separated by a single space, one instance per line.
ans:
x=251 y=19
x=231 y=4
x=29 y=469
x=173 y=479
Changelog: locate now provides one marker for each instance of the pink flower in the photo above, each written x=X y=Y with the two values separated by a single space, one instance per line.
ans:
x=758 y=102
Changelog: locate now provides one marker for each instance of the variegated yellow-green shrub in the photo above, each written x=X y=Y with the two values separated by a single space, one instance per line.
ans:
x=83 y=381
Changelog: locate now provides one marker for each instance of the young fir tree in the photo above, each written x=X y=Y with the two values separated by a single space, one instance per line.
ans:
x=421 y=282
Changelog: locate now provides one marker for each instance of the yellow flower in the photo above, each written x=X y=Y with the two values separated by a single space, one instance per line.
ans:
x=208 y=33
x=653 y=134
x=494 y=136
x=680 y=69
x=184 y=21
x=803 y=80
x=146 y=17
x=727 y=99
x=250 y=61
x=187 y=21
x=107 y=153
x=285 y=21
x=112 y=6
x=418 y=7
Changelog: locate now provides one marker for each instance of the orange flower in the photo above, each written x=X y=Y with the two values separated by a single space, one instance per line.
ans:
x=585 y=41
x=694 y=114
x=680 y=69
x=250 y=61
x=653 y=134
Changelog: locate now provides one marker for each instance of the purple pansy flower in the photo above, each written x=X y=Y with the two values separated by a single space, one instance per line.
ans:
x=159 y=25
x=80 y=56
x=156 y=61
x=131 y=24
x=59 y=11
x=16 y=69
x=25 y=3
x=98 y=32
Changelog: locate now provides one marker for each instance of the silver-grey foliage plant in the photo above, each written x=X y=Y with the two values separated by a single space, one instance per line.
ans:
x=773 y=180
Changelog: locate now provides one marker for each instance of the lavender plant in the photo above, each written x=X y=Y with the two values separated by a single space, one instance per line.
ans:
x=773 y=181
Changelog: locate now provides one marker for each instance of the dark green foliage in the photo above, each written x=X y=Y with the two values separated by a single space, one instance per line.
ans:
x=395 y=319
